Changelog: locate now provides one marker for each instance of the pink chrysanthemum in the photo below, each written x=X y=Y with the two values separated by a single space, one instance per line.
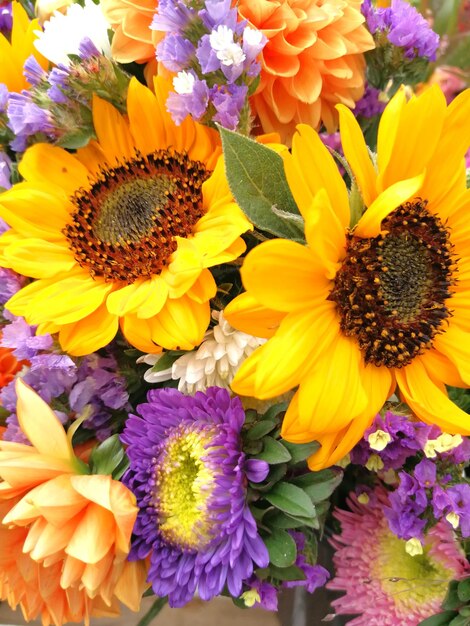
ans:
x=383 y=584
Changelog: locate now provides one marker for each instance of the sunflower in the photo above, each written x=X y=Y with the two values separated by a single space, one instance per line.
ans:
x=123 y=231
x=15 y=51
x=363 y=309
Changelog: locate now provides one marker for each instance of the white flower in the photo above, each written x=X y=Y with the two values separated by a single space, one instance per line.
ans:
x=63 y=34
x=214 y=363
x=379 y=440
x=227 y=51
x=414 y=547
x=183 y=83
x=221 y=38
x=252 y=36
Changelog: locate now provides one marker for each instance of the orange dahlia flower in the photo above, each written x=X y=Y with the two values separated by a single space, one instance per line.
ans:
x=65 y=534
x=133 y=39
x=9 y=366
x=312 y=61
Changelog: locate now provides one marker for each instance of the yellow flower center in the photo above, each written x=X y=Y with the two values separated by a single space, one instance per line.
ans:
x=183 y=483
x=410 y=580
x=391 y=290
x=125 y=225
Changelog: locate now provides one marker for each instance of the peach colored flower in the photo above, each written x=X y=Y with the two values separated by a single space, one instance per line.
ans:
x=133 y=39
x=313 y=60
x=65 y=534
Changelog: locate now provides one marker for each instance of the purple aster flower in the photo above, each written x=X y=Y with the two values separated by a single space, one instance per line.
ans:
x=5 y=175
x=6 y=18
x=175 y=52
x=228 y=102
x=189 y=475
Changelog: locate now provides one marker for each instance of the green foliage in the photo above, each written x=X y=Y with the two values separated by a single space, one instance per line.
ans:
x=281 y=547
x=273 y=451
x=257 y=180
x=109 y=458
x=456 y=606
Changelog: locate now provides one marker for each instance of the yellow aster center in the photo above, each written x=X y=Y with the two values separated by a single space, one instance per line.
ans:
x=183 y=484
x=409 y=580
x=124 y=226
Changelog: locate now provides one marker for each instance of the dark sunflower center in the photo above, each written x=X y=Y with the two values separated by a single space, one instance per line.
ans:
x=391 y=291
x=125 y=225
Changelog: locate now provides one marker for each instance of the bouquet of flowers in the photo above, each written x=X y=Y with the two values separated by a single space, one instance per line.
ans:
x=230 y=332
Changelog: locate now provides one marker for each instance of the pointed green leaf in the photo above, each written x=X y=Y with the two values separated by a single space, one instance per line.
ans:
x=281 y=547
x=290 y=499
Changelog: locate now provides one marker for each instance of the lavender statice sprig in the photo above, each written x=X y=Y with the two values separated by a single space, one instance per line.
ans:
x=214 y=56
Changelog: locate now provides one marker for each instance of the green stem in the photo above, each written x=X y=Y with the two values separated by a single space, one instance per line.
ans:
x=154 y=610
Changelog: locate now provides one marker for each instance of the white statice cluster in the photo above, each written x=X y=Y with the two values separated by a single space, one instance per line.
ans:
x=214 y=363
x=63 y=33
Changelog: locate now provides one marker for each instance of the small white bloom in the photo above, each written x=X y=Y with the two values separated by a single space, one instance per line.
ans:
x=444 y=443
x=453 y=519
x=63 y=33
x=183 y=83
x=214 y=363
x=413 y=547
x=221 y=38
x=379 y=440
x=374 y=463
x=430 y=449
x=252 y=36
x=231 y=55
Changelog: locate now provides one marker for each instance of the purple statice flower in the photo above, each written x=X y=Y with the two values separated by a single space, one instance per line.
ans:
x=220 y=12
x=26 y=118
x=172 y=16
x=101 y=390
x=6 y=18
x=57 y=79
x=260 y=594
x=407 y=504
x=228 y=102
x=315 y=575
x=175 y=52
x=87 y=49
x=426 y=473
x=189 y=475
x=4 y=95
x=22 y=338
x=5 y=174
x=33 y=72
x=10 y=283
x=456 y=500
x=369 y=105
x=404 y=27
x=191 y=97
x=407 y=437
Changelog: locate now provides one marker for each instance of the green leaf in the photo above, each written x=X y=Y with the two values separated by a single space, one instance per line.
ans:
x=463 y=590
x=76 y=139
x=278 y=519
x=290 y=499
x=257 y=180
x=108 y=457
x=276 y=472
x=460 y=620
x=273 y=452
x=452 y=601
x=319 y=485
x=442 y=619
x=286 y=573
x=301 y=451
x=275 y=410
x=261 y=429
x=281 y=547
x=154 y=610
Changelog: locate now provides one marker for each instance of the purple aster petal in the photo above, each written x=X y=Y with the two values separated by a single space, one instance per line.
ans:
x=256 y=470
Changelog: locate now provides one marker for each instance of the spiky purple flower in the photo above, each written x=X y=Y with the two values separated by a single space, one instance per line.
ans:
x=189 y=475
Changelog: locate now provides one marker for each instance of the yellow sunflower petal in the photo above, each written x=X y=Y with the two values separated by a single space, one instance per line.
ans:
x=204 y=288
x=90 y=333
x=112 y=131
x=244 y=382
x=48 y=164
x=144 y=118
x=454 y=343
x=68 y=299
x=370 y=223
x=357 y=154
x=387 y=132
x=311 y=166
x=246 y=314
x=39 y=258
x=435 y=361
x=282 y=275
x=185 y=267
x=24 y=206
x=145 y=295
x=301 y=337
x=429 y=400
x=138 y=333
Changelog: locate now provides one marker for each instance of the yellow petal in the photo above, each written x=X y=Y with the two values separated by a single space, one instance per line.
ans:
x=112 y=131
x=429 y=400
x=93 y=536
x=370 y=223
x=138 y=333
x=282 y=275
x=388 y=127
x=184 y=269
x=204 y=288
x=144 y=118
x=38 y=258
x=40 y=424
x=357 y=154
x=135 y=297
x=246 y=314
x=90 y=333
